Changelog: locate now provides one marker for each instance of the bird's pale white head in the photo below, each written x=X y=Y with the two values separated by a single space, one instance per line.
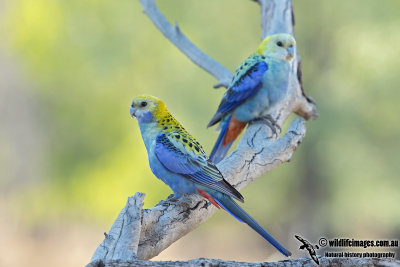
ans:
x=280 y=46
x=147 y=108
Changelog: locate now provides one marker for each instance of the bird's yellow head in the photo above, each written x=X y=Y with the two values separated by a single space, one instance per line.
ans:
x=147 y=108
x=280 y=46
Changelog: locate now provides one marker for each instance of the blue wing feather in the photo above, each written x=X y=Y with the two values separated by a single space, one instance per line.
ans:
x=172 y=157
x=199 y=170
x=244 y=86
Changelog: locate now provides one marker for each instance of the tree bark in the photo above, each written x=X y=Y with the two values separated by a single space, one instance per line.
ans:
x=299 y=262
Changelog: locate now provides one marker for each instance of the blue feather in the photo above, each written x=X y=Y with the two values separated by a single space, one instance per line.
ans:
x=236 y=211
x=199 y=170
x=244 y=88
x=237 y=218
x=219 y=151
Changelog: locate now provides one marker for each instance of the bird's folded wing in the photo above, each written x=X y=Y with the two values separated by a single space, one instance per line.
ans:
x=246 y=83
x=194 y=166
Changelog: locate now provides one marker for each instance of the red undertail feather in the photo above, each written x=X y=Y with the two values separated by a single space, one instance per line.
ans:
x=209 y=198
x=234 y=129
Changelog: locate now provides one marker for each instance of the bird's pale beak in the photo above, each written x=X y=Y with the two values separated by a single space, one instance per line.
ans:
x=290 y=51
x=132 y=111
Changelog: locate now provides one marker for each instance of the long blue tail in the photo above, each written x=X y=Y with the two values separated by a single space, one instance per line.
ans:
x=219 y=151
x=236 y=211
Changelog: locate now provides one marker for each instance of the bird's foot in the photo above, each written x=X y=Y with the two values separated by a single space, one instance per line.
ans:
x=173 y=198
x=272 y=124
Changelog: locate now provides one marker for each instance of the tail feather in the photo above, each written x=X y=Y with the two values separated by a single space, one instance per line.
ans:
x=220 y=149
x=231 y=129
x=225 y=208
x=236 y=211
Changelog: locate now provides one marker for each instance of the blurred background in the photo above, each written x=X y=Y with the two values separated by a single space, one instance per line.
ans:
x=70 y=154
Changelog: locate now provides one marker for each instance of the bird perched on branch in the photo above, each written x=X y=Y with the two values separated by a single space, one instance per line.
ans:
x=179 y=160
x=257 y=85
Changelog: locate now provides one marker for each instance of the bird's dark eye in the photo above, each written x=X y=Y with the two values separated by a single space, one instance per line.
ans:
x=143 y=104
x=279 y=44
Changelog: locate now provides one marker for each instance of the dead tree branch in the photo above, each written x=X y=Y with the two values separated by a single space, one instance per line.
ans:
x=258 y=152
x=175 y=35
x=300 y=262
x=121 y=243
x=168 y=221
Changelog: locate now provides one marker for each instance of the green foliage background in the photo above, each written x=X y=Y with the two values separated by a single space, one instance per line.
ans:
x=85 y=60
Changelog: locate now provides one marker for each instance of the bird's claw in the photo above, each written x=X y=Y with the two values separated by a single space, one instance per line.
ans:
x=271 y=124
x=172 y=198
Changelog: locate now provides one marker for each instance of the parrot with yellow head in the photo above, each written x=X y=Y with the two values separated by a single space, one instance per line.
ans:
x=176 y=158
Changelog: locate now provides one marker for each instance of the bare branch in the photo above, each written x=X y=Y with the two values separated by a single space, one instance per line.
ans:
x=175 y=35
x=299 y=262
x=277 y=16
x=121 y=243
x=168 y=221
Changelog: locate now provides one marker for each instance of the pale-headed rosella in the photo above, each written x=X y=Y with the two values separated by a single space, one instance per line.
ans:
x=258 y=84
x=179 y=160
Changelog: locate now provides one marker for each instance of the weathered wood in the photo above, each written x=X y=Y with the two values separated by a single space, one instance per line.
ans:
x=175 y=35
x=162 y=225
x=121 y=243
x=168 y=221
x=307 y=262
